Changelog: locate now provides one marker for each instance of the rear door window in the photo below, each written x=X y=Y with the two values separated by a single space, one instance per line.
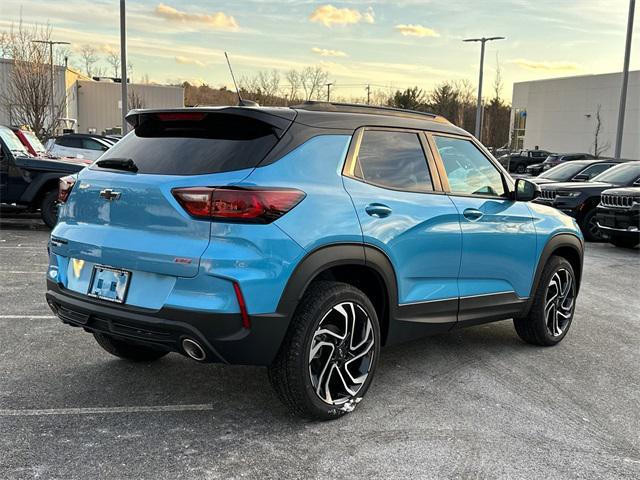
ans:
x=394 y=160
x=72 y=142
x=91 y=144
x=205 y=143
x=594 y=170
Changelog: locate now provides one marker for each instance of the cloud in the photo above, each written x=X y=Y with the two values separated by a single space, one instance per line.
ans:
x=328 y=15
x=218 y=20
x=416 y=31
x=324 y=52
x=546 y=66
x=189 y=61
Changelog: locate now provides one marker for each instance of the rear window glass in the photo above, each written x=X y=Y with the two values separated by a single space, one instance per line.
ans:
x=216 y=143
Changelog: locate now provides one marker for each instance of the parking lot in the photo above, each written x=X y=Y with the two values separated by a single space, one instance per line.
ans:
x=476 y=403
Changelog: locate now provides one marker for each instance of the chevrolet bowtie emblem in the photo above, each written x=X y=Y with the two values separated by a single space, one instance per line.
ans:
x=109 y=194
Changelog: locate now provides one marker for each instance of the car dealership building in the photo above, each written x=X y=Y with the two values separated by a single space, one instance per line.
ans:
x=563 y=114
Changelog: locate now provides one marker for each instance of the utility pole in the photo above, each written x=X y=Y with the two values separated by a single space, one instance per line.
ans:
x=52 y=107
x=482 y=40
x=123 y=64
x=625 y=81
x=329 y=91
x=368 y=94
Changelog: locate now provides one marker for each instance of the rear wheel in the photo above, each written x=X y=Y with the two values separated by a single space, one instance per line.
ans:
x=590 y=228
x=327 y=360
x=521 y=168
x=553 y=306
x=49 y=208
x=127 y=350
x=625 y=241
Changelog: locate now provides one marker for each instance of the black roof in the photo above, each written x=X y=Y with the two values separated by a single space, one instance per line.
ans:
x=337 y=116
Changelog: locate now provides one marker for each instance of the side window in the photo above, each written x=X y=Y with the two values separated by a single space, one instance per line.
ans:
x=72 y=142
x=393 y=159
x=468 y=170
x=91 y=144
x=594 y=170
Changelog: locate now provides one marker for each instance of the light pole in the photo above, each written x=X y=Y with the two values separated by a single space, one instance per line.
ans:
x=123 y=64
x=483 y=40
x=625 y=81
x=329 y=91
x=52 y=107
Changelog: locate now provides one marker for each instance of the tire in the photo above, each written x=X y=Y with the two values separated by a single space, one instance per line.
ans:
x=625 y=241
x=521 y=168
x=538 y=327
x=589 y=227
x=49 y=208
x=127 y=350
x=300 y=380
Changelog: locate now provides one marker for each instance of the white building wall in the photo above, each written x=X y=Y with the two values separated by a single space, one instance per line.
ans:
x=561 y=113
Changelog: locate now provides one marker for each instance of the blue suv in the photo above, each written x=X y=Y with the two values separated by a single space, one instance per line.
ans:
x=304 y=239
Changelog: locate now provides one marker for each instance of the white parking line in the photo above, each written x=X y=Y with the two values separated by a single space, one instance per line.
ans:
x=23 y=272
x=108 y=410
x=20 y=317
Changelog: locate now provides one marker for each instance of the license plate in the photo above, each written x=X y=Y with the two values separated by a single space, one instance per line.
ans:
x=109 y=284
x=607 y=222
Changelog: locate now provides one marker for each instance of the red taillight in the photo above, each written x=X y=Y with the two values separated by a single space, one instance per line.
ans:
x=262 y=205
x=180 y=116
x=246 y=323
x=65 y=184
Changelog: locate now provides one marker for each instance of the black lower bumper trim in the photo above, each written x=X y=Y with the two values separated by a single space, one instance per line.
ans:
x=221 y=335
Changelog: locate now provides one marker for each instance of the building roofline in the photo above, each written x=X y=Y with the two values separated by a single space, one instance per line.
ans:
x=575 y=76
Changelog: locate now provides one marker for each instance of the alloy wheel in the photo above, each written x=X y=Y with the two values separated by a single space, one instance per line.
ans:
x=594 y=229
x=341 y=353
x=559 y=302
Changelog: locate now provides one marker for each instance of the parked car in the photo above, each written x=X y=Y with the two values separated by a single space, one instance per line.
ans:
x=79 y=145
x=578 y=171
x=618 y=216
x=581 y=199
x=29 y=181
x=519 y=161
x=556 y=159
x=304 y=239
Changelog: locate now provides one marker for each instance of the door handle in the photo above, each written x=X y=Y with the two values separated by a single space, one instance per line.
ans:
x=472 y=214
x=378 y=210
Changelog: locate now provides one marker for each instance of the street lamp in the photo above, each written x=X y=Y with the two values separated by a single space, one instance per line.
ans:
x=53 y=93
x=625 y=81
x=483 y=40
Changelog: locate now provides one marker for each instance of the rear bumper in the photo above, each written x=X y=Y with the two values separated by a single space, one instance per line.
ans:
x=221 y=334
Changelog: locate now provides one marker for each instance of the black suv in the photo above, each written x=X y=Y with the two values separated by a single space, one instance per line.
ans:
x=556 y=159
x=581 y=199
x=28 y=181
x=519 y=161
x=618 y=216
x=578 y=171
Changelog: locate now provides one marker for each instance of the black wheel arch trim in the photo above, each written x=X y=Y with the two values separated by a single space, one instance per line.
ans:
x=39 y=186
x=554 y=244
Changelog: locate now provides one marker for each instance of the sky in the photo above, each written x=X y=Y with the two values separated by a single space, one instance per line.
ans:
x=388 y=44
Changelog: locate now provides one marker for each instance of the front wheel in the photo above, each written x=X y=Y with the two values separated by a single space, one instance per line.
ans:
x=553 y=306
x=521 y=168
x=49 y=208
x=327 y=360
x=590 y=227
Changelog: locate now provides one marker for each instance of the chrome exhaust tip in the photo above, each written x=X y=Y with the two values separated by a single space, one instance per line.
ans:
x=193 y=349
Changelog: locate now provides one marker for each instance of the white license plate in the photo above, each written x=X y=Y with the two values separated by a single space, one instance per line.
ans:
x=109 y=284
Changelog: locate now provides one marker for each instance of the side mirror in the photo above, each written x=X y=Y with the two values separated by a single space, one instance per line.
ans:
x=582 y=177
x=525 y=190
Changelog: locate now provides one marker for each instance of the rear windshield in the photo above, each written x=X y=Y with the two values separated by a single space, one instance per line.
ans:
x=213 y=143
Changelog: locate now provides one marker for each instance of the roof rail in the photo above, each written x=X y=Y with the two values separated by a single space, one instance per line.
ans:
x=320 y=106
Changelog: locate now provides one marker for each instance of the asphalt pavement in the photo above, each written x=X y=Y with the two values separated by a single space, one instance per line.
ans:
x=476 y=403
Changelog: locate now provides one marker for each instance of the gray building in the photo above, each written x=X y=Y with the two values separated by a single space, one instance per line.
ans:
x=564 y=114
x=94 y=106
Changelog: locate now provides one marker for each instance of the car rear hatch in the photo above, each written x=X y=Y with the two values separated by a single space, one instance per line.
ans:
x=121 y=211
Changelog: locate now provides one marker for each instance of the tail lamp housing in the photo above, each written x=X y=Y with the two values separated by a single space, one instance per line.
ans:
x=241 y=205
x=65 y=184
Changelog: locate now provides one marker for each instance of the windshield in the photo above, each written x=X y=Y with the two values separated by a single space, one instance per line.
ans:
x=624 y=174
x=12 y=142
x=553 y=158
x=564 y=171
x=34 y=141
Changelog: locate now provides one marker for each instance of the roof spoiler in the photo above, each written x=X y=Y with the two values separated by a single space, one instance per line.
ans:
x=280 y=121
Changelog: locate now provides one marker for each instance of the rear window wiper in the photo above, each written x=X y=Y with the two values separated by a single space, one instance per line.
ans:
x=126 y=164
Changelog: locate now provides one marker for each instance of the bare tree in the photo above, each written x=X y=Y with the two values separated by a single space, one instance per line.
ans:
x=5 y=45
x=135 y=100
x=269 y=82
x=295 y=82
x=113 y=59
x=598 y=147
x=312 y=79
x=27 y=93
x=89 y=59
